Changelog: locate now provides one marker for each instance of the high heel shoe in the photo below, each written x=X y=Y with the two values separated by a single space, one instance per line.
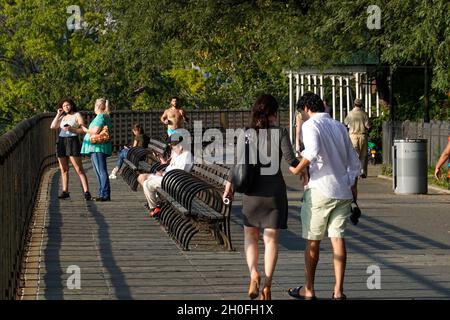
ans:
x=266 y=294
x=253 y=289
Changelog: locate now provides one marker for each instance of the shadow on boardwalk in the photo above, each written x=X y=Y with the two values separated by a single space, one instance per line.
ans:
x=123 y=254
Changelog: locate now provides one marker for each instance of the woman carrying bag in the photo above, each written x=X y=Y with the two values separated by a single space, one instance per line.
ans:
x=97 y=145
x=264 y=203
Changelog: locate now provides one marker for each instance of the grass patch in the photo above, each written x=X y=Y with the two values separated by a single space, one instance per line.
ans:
x=444 y=182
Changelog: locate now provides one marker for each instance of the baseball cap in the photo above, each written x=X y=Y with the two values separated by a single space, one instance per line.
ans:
x=358 y=102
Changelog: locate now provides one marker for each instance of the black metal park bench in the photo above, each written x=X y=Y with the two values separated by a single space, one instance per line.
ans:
x=143 y=160
x=192 y=202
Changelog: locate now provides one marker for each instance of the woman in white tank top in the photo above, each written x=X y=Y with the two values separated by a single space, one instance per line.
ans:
x=70 y=124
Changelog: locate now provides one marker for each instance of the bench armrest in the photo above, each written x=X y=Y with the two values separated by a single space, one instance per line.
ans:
x=130 y=164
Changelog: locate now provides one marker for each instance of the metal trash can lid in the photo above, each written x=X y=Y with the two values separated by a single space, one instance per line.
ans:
x=411 y=140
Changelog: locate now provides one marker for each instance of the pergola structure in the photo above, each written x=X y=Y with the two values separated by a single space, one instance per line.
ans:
x=340 y=85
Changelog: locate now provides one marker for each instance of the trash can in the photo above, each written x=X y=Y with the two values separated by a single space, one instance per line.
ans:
x=409 y=166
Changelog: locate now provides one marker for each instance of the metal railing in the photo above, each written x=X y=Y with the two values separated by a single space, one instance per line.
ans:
x=30 y=148
x=25 y=152
x=122 y=122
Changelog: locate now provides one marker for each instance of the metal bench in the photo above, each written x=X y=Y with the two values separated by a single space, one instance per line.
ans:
x=157 y=149
x=191 y=202
x=143 y=160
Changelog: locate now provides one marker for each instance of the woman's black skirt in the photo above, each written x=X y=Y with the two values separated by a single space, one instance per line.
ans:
x=68 y=147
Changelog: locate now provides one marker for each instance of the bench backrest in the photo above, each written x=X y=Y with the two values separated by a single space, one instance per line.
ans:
x=157 y=149
x=157 y=145
x=215 y=174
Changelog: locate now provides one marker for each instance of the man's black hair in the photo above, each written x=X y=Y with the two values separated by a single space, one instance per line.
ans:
x=312 y=101
x=300 y=105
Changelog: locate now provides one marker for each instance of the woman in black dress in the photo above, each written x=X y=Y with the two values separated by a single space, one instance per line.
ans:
x=265 y=204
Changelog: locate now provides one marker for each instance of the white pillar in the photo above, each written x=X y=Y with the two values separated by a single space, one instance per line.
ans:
x=378 y=103
x=321 y=87
x=357 y=85
x=341 y=100
x=297 y=89
x=347 y=93
x=315 y=83
x=302 y=79
x=333 y=95
x=309 y=81
x=368 y=97
x=291 y=107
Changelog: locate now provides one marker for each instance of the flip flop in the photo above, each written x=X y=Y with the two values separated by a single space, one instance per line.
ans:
x=343 y=297
x=295 y=293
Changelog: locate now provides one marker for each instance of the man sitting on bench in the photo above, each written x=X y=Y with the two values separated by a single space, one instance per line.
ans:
x=180 y=159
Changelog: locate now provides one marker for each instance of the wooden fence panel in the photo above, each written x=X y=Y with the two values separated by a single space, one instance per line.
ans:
x=436 y=133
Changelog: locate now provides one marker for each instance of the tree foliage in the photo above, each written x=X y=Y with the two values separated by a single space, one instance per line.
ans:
x=139 y=53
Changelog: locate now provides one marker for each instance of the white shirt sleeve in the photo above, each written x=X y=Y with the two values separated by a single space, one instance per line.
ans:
x=311 y=142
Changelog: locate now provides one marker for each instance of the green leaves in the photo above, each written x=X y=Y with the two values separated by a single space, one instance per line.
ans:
x=138 y=53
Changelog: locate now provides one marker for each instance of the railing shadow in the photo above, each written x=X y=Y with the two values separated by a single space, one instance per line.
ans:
x=402 y=232
x=54 y=270
x=367 y=239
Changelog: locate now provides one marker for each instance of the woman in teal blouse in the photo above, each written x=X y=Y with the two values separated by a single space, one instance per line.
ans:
x=99 y=152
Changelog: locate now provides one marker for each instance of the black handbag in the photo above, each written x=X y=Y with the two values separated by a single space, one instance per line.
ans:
x=243 y=174
x=355 y=213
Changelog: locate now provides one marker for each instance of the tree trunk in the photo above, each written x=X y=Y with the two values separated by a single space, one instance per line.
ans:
x=383 y=86
x=426 y=95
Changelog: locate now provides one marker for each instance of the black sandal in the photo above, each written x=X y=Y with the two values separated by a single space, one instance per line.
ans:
x=343 y=297
x=295 y=293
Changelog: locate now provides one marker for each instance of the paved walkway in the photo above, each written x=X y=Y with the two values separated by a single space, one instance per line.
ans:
x=124 y=254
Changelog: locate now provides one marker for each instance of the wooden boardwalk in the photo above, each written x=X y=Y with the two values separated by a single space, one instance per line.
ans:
x=124 y=254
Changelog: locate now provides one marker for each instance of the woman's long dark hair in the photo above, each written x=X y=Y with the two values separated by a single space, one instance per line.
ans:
x=73 y=106
x=265 y=106
x=138 y=128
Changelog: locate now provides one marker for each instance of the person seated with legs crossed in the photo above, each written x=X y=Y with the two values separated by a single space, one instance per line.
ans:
x=180 y=159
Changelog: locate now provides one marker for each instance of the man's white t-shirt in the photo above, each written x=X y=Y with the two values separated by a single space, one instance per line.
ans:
x=183 y=161
x=334 y=163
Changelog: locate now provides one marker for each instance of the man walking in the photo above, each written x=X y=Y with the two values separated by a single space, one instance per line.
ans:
x=333 y=169
x=357 y=121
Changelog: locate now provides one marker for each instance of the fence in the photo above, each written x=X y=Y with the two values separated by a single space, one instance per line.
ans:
x=436 y=133
x=28 y=149
x=25 y=152
x=122 y=122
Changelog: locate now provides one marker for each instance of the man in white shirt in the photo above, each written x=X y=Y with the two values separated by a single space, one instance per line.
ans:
x=180 y=159
x=333 y=169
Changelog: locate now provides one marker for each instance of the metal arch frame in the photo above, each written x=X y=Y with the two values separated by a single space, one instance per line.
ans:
x=341 y=73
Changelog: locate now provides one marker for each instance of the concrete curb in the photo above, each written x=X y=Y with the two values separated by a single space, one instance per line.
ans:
x=430 y=186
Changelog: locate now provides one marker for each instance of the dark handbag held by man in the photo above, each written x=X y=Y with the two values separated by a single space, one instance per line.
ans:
x=101 y=137
x=243 y=174
x=355 y=213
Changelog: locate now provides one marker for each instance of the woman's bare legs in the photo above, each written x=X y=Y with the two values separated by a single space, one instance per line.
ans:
x=78 y=165
x=251 y=235
x=64 y=168
x=270 y=254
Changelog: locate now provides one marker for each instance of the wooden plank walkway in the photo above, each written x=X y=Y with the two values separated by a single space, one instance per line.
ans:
x=124 y=254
